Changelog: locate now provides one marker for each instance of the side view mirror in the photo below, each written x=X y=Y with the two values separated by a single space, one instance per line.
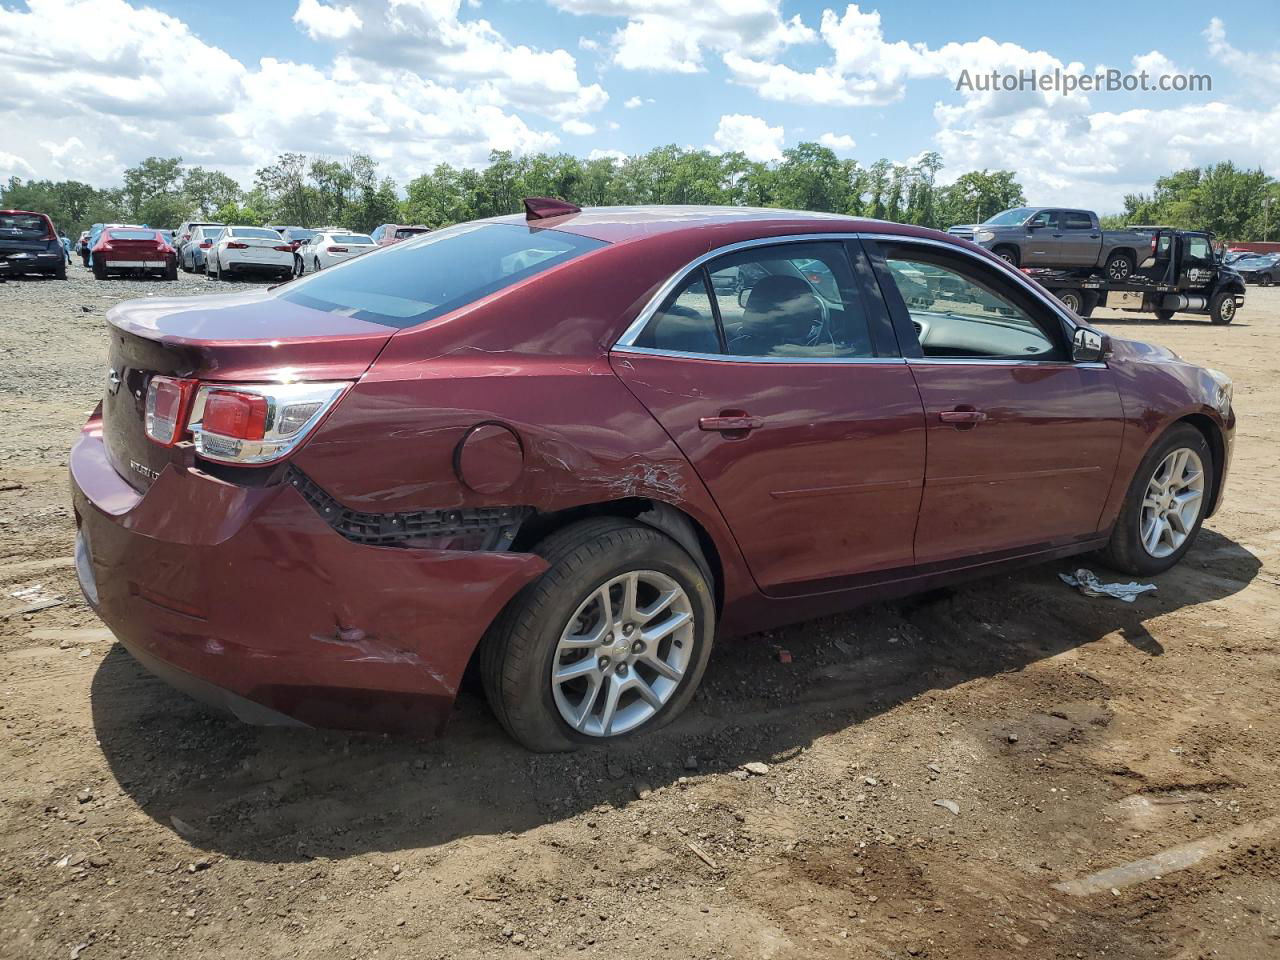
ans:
x=1089 y=345
x=1035 y=224
x=744 y=295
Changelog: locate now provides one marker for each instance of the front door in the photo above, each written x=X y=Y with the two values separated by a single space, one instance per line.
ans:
x=1043 y=246
x=795 y=409
x=1022 y=442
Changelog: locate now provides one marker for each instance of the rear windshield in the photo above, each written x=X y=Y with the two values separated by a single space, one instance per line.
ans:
x=300 y=234
x=28 y=226
x=428 y=276
x=410 y=232
x=132 y=234
x=260 y=233
x=351 y=238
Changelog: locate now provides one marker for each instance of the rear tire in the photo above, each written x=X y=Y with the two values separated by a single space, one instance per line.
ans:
x=1073 y=300
x=1164 y=315
x=1222 y=308
x=1126 y=552
x=99 y=271
x=1120 y=265
x=526 y=643
x=171 y=270
x=60 y=273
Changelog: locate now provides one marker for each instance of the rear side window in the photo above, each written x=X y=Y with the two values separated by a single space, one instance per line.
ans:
x=426 y=277
x=1075 y=220
x=685 y=323
x=408 y=232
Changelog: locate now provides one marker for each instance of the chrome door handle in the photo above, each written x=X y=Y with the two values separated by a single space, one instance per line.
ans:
x=962 y=417
x=734 y=423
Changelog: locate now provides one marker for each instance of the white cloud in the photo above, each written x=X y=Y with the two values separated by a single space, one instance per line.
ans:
x=102 y=73
x=839 y=142
x=578 y=128
x=617 y=156
x=749 y=135
x=1265 y=68
x=326 y=23
x=633 y=103
x=671 y=35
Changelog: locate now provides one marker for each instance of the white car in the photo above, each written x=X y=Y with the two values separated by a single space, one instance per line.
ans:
x=248 y=250
x=333 y=246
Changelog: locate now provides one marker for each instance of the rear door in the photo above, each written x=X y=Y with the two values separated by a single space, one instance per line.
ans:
x=776 y=372
x=1023 y=442
x=1080 y=238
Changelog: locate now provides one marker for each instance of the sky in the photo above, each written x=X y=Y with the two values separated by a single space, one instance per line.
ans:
x=89 y=87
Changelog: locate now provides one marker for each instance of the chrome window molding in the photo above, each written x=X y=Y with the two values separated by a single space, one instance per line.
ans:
x=734 y=358
x=628 y=338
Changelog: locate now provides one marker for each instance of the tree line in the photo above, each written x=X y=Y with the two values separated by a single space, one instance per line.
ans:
x=317 y=191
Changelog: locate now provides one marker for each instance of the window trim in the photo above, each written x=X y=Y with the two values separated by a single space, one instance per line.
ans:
x=626 y=342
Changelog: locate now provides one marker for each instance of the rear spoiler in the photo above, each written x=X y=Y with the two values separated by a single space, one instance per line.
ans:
x=543 y=208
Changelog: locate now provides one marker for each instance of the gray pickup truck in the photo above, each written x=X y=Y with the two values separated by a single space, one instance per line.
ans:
x=1058 y=237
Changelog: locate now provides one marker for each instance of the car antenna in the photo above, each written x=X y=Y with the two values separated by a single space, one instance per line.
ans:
x=542 y=208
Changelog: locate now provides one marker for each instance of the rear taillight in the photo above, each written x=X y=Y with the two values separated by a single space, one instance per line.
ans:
x=259 y=423
x=237 y=246
x=336 y=249
x=283 y=248
x=206 y=244
x=168 y=400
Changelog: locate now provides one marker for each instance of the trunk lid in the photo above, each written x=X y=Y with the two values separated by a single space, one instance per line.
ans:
x=252 y=337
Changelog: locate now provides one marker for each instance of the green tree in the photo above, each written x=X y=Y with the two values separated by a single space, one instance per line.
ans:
x=209 y=190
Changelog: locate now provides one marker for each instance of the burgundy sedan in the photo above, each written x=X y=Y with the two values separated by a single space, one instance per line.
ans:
x=580 y=446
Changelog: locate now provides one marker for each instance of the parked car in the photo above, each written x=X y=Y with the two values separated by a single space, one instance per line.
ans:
x=555 y=447
x=389 y=233
x=182 y=236
x=244 y=250
x=82 y=247
x=1055 y=237
x=199 y=243
x=295 y=237
x=30 y=244
x=137 y=251
x=333 y=246
x=1260 y=268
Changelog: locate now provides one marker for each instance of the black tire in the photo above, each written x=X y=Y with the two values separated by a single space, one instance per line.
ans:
x=1164 y=315
x=1125 y=551
x=1073 y=299
x=316 y=263
x=1120 y=265
x=1266 y=280
x=171 y=270
x=183 y=261
x=1009 y=255
x=99 y=271
x=1222 y=308
x=517 y=652
x=61 y=272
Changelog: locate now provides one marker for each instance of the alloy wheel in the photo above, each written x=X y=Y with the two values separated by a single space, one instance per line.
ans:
x=623 y=653
x=1172 y=503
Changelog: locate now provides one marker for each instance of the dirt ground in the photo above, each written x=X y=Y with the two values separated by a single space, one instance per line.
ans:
x=1066 y=736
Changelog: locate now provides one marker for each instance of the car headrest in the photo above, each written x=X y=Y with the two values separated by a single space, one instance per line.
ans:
x=782 y=308
x=683 y=329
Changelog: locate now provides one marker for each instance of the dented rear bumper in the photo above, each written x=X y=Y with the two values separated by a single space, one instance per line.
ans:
x=246 y=598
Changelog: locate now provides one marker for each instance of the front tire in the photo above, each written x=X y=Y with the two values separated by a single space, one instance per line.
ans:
x=1073 y=300
x=1165 y=504
x=1164 y=315
x=610 y=642
x=316 y=263
x=1008 y=254
x=1222 y=308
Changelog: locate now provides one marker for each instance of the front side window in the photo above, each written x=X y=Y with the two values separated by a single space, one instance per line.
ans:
x=1198 y=249
x=962 y=309
x=428 y=276
x=1045 y=218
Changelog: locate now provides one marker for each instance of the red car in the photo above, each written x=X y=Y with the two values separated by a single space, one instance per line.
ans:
x=134 y=250
x=388 y=233
x=580 y=447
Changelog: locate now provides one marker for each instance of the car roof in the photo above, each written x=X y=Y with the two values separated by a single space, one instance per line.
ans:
x=619 y=224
